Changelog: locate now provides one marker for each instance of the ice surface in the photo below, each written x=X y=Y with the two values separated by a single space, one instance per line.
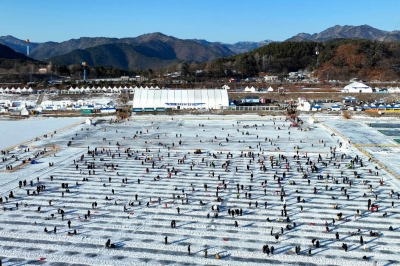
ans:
x=14 y=132
x=139 y=232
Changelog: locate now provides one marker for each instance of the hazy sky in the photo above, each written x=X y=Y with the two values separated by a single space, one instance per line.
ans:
x=227 y=21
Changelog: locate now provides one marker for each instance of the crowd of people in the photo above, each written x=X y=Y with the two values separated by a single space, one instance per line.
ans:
x=233 y=173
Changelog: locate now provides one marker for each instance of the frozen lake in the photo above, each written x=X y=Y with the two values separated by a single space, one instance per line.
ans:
x=256 y=165
x=15 y=132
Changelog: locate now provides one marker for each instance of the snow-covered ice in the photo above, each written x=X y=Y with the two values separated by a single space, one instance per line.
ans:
x=15 y=132
x=159 y=151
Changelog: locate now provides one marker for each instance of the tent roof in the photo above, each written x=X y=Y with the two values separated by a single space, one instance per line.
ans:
x=356 y=85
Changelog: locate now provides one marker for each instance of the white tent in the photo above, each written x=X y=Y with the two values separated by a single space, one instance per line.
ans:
x=181 y=99
x=335 y=107
x=226 y=87
x=252 y=89
x=270 y=89
x=316 y=107
x=357 y=87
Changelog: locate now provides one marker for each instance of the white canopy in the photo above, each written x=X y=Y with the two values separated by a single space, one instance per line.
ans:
x=357 y=87
x=252 y=89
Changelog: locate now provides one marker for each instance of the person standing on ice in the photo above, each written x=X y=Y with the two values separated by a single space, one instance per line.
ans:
x=267 y=250
x=313 y=241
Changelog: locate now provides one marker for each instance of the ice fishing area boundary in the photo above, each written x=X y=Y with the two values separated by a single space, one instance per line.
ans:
x=159 y=151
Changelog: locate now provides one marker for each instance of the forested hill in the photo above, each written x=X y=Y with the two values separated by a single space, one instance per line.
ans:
x=185 y=50
x=8 y=53
x=341 y=59
x=120 y=55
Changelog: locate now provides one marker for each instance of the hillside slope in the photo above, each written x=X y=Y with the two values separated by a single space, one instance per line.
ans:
x=348 y=32
x=8 y=53
x=120 y=55
x=187 y=50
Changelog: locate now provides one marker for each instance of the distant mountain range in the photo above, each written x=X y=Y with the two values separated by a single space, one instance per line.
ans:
x=156 y=47
x=121 y=55
x=239 y=47
x=156 y=50
x=349 y=32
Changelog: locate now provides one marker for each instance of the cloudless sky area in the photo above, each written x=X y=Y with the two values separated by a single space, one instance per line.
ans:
x=226 y=21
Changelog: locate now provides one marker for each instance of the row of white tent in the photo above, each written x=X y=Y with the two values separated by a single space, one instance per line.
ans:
x=107 y=89
x=82 y=89
x=381 y=106
x=252 y=89
x=110 y=89
x=17 y=90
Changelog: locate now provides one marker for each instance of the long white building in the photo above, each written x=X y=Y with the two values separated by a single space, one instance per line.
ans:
x=181 y=99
